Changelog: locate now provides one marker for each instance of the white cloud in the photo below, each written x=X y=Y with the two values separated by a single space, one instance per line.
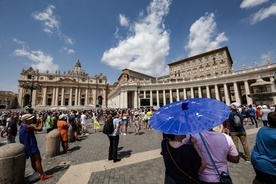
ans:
x=51 y=24
x=48 y=19
x=42 y=61
x=263 y=14
x=123 y=20
x=18 y=41
x=146 y=48
x=68 y=51
x=203 y=35
x=252 y=3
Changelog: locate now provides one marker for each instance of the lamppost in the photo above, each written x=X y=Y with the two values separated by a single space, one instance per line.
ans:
x=34 y=85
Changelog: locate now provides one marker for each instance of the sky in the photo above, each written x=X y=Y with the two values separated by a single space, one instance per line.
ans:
x=142 y=35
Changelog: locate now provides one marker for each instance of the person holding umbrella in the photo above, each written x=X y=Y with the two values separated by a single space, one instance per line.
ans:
x=185 y=117
x=182 y=161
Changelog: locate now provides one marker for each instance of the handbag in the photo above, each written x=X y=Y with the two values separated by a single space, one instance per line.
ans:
x=178 y=167
x=223 y=177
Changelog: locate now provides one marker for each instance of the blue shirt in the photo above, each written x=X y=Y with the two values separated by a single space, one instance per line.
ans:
x=263 y=156
x=115 y=122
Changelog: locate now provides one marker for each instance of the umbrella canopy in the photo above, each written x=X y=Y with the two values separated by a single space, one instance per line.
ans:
x=189 y=116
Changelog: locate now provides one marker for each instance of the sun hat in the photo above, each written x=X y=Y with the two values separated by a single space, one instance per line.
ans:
x=27 y=117
x=233 y=107
x=62 y=116
x=264 y=107
x=136 y=113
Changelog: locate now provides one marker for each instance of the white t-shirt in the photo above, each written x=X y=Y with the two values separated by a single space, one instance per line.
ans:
x=83 y=119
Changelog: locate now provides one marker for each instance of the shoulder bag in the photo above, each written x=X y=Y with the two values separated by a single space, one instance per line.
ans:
x=223 y=177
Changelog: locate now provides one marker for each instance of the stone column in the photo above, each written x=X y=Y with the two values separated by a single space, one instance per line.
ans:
x=226 y=94
x=135 y=99
x=164 y=97
x=237 y=93
x=95 y=97
x=79 y=96
x=192 y=92
x=76 y=96
x=184 y=93
x=208 y=92
x=171 y=97
x=151 y=100
x=62 y=96
x=199 y=92
x=34 y=97
x=44 y=95
x=247 y=92
x=145 y=95
x=157 y=98
x=54 y=96
x=177 y=94
x=86 y=97
x=70 y=97
x=273 y=88
x=217 y=92
x=57 y=96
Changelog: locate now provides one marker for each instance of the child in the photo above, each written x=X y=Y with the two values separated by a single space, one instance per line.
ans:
x=137 y=123
x=97 y=125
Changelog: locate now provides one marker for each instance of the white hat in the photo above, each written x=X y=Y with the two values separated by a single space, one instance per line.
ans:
x=136 y=113
x=27 y=117
x=62 y=116
x=264 y=107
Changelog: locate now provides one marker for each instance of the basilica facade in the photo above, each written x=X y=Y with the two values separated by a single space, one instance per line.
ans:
x=208 y=74
x=74 y=89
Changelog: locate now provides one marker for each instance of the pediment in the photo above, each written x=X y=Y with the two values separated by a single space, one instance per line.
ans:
x=66 y=80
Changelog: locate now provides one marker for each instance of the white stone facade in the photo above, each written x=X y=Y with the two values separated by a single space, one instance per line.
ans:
x=212 y=78
x=72 y=90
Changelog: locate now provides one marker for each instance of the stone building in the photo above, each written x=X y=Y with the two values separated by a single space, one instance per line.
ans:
x=8 y=100
x=208 y=74
x=74 y=89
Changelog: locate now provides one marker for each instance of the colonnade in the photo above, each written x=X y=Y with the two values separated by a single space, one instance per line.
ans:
x=227 y=91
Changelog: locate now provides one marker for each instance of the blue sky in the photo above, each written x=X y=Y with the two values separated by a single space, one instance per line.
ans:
x=143 y=35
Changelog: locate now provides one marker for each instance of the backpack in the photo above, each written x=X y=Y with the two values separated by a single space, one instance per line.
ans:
x=108 y=127
x=236 y=120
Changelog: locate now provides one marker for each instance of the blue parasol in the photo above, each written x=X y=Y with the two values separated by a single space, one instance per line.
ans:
x=190 y=116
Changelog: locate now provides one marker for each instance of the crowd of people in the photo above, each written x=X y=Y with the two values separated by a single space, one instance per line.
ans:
x=222 y=142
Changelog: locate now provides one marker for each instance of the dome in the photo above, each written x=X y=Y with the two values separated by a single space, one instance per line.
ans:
x=77 y=70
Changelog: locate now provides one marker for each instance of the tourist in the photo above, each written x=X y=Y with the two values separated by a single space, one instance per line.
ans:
x=28 y=139
x=114 y=138
x=263 y=154
x=182 y=161
x=237 y=133
x=252 y=115
x=137 y=120
x=63 y=130
x=73 y=121
x=222 y=149
x=11 y=130
x=97 y=125
x=3 y=124
x=83 y=123
x=49 y=122
x=124 y=117
x=264 y=113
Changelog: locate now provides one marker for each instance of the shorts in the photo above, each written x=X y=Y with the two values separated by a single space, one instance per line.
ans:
x=125 y=121
x=264 y=177
x=2 y=128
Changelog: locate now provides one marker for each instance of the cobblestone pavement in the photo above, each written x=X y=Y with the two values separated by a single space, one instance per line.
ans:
x=94 y=147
